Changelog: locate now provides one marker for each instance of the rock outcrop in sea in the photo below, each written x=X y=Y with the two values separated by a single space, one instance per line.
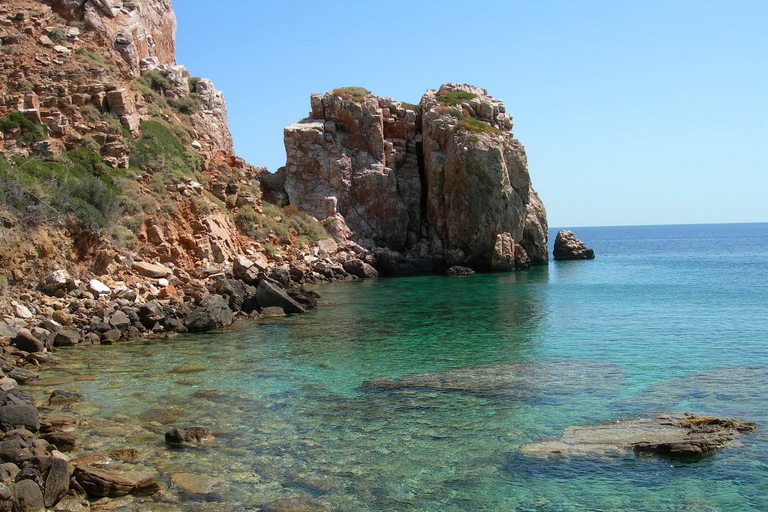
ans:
x=569 y=247
x=425 y=187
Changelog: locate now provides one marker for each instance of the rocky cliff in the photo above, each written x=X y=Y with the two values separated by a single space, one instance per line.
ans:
x=426 y=186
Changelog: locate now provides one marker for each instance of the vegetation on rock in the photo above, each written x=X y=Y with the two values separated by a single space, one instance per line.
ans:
x=356 y=94
x=454 y=98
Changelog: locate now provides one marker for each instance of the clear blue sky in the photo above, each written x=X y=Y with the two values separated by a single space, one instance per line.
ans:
x=631 y=112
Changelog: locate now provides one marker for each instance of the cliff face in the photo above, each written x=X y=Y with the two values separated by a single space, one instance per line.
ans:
x=426 y=187
x=137 y=29
x=117 y=153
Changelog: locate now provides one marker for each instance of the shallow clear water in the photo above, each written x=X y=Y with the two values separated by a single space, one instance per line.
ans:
x=667 y=318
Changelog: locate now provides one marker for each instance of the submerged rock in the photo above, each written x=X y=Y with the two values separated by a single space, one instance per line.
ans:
x=568 y=247
x=188 y=435
x=677 y=436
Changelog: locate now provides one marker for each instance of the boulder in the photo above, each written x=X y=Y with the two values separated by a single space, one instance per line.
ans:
x=676 y=436
x=245 y=270
x=98 y=482
x=27 y=341
x=212 y=313
x=269 y=294
x=458 y=270
x=7 y=332
x=119 y=320
x=151 y=270
x=241 y=296
x=19 y=416
x=98 y=288
x=198 y=485
x=188 y=435
x=151 y=313
x=57 y=482
x=55 y=281
x=360 y=269
x=66 y=338
x=16 y=397
x=22 y=375
x=27 y=497
x=63 y=441
x=568 y=247
x=60 y=397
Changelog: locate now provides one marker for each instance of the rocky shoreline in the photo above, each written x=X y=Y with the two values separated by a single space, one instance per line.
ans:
x=160 y=301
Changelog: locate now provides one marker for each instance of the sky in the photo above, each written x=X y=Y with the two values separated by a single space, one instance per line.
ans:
x=631 y=112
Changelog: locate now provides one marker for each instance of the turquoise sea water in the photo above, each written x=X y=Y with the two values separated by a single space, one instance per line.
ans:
x=666 y=318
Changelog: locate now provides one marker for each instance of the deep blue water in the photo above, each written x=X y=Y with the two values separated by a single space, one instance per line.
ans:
x=666 y=318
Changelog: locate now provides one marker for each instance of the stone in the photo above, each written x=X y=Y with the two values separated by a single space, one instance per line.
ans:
x=147 y=487
x=119 y=320
x=272 y=312
x=212 y=313
x=16 y=397
x=8 y=472
x=188 y=435
x=63 y=441
x=200 y=485
x=22 y=375
x=55 y=281
x=568 y=247
x=100 y=483
x=27 y=497
x=270 y=294
x=151 y=313
x=60 y=397
x=240 y=295
x=676 y=436
x=245 y=270
x=22 y=311
x=503 y=258
x=57 y=482
x=66 y=338
x=98 y=288
x=19 y=416
x=151 y=270
x=7 y=331
x=360 y=269
x=27 y=342
x=458 y=270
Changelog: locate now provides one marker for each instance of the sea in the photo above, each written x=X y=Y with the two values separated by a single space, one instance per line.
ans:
x=664 y=319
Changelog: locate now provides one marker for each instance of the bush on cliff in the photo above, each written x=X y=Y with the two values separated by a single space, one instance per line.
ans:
x=356 y=94
x=29 y=131
x=159 y=150
x=456 y=97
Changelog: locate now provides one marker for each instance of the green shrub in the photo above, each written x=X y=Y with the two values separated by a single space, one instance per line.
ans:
x=456 y=97
x=90 y=113
x=89 y=200
x=157 y=81
x=25 y=85
x=57 y=35
x=193 y=83
x=271 y=249
x=246 y=216
x=476 y=126
x=160 y=150
x=95 y=57
x=30 y=132
x=356 y=94
x=3 y=283
x=186 y=105
x=124 y=237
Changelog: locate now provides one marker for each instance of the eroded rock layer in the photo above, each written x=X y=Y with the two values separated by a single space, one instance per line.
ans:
x=426 y=186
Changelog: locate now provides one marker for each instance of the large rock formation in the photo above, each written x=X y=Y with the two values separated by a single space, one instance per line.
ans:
x=569 y=247
x=426 y=186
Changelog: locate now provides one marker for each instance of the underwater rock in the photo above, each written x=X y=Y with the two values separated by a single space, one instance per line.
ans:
x=677 y=436
x=188 y=435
